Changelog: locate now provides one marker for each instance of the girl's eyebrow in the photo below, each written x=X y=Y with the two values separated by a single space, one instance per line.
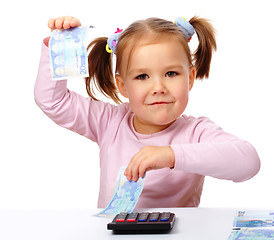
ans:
x=144 y=70
x=137 y=70
x=172 y=66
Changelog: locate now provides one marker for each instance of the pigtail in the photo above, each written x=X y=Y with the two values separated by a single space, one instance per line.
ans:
x=100 y=71
x=207 y=44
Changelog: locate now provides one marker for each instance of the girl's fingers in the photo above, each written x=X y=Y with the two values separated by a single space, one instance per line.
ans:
x=51 y=24
x=65 y=22
x=59 y=22
x=136 y=167
x=75 y=22
x=135 y=172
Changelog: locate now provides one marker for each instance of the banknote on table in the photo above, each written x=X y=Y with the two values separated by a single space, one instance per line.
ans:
x=68 y=53
x=254 y=219
x=252 y=234
x=125 y=197
x=253 y=224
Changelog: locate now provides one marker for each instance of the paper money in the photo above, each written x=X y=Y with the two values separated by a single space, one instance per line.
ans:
x=125 y=196
x=253 y=225
x=68 y=53
x=254 y=219
x=252 y=234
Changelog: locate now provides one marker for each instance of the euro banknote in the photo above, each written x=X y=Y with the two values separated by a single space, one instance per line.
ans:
x=125 y=197
x=68 y=53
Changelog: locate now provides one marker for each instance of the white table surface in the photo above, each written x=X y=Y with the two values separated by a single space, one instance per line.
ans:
x=190 y=224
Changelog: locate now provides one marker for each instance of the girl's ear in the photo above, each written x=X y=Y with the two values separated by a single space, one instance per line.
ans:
x=121 y=85
x=191 y=77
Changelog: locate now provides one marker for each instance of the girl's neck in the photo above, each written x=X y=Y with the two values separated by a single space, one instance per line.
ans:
x=147 y=129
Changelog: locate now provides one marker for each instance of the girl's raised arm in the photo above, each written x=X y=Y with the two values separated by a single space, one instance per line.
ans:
x=67 y=108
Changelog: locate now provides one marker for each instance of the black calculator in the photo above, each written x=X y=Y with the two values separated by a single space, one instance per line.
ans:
x=153 y=222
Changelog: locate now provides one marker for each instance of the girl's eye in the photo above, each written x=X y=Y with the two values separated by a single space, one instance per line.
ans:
x=171 y=74
x=142 y=76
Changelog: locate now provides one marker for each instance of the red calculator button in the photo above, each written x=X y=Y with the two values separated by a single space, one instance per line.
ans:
x=131 y=220
x=132 y=217
x=120 y=220
x=121 y=217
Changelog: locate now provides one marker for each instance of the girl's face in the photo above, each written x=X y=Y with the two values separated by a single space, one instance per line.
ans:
x=157 y=82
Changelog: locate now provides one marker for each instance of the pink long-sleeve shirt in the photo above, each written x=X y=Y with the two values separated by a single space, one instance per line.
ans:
x=201 y=148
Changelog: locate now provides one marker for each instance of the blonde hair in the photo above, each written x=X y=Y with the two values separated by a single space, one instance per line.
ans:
x=100 y=61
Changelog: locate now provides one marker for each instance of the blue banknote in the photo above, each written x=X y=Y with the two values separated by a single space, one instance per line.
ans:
x=125 y=197
x=254 y=219
x=68 y=53
x=253 y=224
x=252 y=234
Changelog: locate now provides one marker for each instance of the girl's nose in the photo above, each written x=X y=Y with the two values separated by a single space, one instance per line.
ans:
x=159 y=87
x=159 y=92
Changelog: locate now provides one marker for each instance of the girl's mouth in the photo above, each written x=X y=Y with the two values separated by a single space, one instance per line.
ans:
x=159 y=103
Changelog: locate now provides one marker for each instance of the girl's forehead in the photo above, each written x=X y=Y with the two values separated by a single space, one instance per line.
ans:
x=154 y=38
x=147 y=41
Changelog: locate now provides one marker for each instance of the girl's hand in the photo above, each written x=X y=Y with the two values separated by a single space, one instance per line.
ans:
x=148 y=158
x=65 y=22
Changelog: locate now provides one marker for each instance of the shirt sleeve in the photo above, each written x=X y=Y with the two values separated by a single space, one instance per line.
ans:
x=216 y=153
x=67 y=108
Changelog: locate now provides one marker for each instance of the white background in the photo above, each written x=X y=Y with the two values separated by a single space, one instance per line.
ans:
x=43 y=166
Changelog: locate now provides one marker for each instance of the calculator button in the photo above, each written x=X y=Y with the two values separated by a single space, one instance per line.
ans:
x=132 y=217
x=165 y=216
x=143 y=217
x=120 y=220
x=153 y=217
x=121 y=217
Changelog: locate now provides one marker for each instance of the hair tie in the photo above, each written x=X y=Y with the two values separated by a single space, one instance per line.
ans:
x=113 y=41
x=186 y=27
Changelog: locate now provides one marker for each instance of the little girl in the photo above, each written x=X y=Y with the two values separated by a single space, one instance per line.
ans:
x=155 y=70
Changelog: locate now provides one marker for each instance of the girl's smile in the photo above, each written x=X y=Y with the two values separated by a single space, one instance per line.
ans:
x=159 y=103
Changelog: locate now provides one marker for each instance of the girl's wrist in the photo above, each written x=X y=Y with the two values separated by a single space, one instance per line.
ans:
x=172 y=158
